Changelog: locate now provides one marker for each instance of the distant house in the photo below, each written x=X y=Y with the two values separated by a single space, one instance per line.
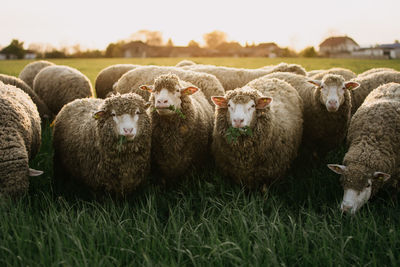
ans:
x=385 y=51
x=3 y=56
x=338 y=46
x=29 y=54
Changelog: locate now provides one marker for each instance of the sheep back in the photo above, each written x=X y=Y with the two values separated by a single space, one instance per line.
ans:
x=44 y=111
x=20 y=137
x=30 y=71
x=59 y=85
x=345 y=73
x=109 y=76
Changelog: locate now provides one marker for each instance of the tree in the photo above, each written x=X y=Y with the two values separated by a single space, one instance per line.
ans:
x=115 y=49
x=15 y=48
x=193 y=43
x=214 y=39
x=149 y=37
x=309 y=52
x=170 y=43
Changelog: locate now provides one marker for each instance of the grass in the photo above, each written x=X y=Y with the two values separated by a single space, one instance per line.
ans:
x=205 y=220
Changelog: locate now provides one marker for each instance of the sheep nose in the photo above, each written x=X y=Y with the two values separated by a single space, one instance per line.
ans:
x=162 y=101
x=128 y=130
x=238 y=122
x=332 y=102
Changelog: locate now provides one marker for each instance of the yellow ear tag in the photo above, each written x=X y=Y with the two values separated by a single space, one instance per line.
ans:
x=380 y=178
x=52 y=123
x=265 y=100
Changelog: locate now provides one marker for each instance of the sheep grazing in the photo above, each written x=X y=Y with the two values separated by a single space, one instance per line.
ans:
x=20 y=136
x=327 y=110
x=44 y=111
x=257 y=131
x=374 y=70
x=345 y=73
x=130 y=81
x=59 y=85
x=182 y=126
x=105 y=144
x=373 y=158
x=369 y=83
x=30 y=71
x=184 y=63
x=108 y=77
x=232 y=78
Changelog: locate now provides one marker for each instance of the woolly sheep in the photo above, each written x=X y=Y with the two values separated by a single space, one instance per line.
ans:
x=30 y=71
x=59 y=85
x=104 y=143
x=374 y=70
x=184 y=63
x=20 y=136
x=325 y=125
x=369 y=83
x=44 y=111
x=232 y=78
x=272 y=110
x=373 y=158
x=345 y=73
x=108 y=77
x=130 y=81
x=181 y=134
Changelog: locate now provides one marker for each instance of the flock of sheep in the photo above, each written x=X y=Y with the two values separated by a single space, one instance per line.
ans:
x=170 y=119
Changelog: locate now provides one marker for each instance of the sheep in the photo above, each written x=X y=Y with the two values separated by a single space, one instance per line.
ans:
x=104 y=144
x=44 y=111
x=373 y=157
x=130 y=81
x=327 y=105
x=184 y=63
x=108 y=77
x=30 y=71
x=374 y=70
x=345 y=73
x=232 y=78
x=182 y=126
x=59 y=85
x=269 y=112
x=369 y=83
x=20 y=137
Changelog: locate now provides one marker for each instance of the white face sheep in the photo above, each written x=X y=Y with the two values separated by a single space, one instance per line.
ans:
x=125 y=124
x=332 y=91
x=241 y=114
x=373 y=158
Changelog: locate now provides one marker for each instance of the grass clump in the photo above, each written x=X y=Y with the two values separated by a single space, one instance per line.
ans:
x=232 y=134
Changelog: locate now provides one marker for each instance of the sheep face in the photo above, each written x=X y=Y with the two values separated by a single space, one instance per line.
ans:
x=241 y=109
x=121 y=116
x=332 y=88
x=359 y=183
x=167 y=92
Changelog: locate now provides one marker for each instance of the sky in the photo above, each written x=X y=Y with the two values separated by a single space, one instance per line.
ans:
x=294 y=24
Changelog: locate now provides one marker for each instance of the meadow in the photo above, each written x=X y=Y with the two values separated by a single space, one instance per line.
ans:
x=204 y=220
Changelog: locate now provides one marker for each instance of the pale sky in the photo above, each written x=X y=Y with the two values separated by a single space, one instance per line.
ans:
x=296 y=24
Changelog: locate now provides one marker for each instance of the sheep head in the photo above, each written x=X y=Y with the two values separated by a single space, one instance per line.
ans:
x=332 y=88
x=241 y=105
x=167 y=93
x=122 y=116
x=359 y=183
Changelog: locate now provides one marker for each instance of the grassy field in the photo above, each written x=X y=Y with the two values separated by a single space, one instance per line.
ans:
x=204 y=220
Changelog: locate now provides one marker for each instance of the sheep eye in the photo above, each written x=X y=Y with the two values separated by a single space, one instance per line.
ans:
x=229 y=105
x=113 y=114
x=138 y=112
x=368 y=185
x=253 y=106
x=177 y=90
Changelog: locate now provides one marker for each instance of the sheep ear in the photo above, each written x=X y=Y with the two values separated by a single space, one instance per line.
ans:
x=381 y=176
x=315 y=82
x=189 y=90
x=148 y=88
x=219 y=101
x=99 y=114
x=339 y=169
x=33 y=172
x=351 y=85
x=263 y=102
